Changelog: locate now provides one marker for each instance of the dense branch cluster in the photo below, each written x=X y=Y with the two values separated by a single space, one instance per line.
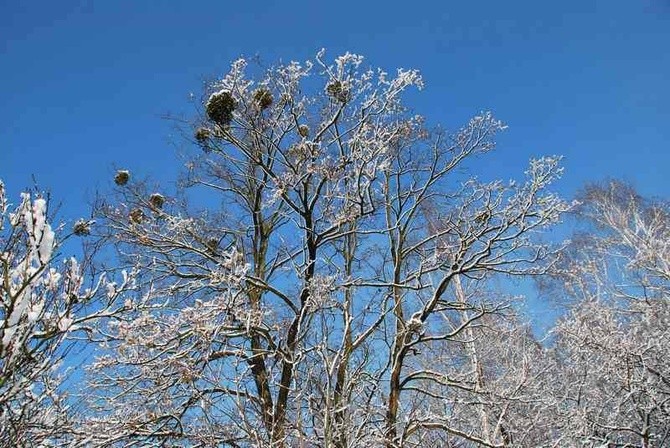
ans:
x=341 y=289
x=615 y=343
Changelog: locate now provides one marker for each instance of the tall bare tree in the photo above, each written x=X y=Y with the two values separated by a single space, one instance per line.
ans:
x=304 y=304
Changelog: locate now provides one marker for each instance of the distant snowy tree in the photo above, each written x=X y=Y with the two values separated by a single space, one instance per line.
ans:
x=490 y=382
x=614 y=346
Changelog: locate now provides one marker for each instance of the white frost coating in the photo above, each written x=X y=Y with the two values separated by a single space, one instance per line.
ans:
x=44 y=235
x=111 y=289
x=415 y=323
x=39 y=217
x=21 y=211
x=20 y=305
x=3 y=203
x=7 y=337
x=64 y=324
x=35 y=312
x=34 y=218
x=52 y=279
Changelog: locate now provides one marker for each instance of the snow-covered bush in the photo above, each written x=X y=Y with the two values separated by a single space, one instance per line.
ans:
x=43 y=301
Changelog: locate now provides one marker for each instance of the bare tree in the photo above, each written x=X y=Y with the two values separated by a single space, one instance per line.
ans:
x=305 y=305
x=43 y=305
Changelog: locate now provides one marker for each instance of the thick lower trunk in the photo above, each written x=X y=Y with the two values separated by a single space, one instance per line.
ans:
x=259 y=372
x=340 y=426
x=279 y=423
x=341 y=435
x=286 y=378
x=399 y=352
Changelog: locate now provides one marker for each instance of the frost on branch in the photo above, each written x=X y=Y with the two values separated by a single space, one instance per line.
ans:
x=180 y=357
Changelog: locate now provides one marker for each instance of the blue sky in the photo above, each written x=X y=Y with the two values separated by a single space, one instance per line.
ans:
x=85 y=84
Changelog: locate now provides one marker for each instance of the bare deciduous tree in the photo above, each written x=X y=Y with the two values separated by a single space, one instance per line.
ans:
x=307 y=303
